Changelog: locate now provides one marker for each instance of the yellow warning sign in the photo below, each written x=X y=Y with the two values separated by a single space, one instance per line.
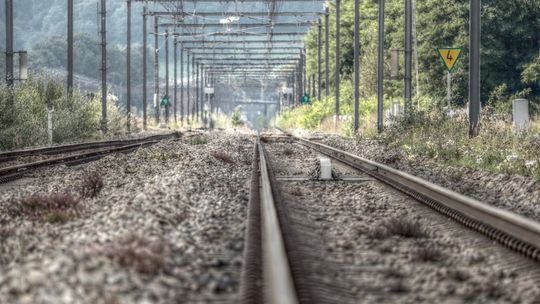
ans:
x=450 y=56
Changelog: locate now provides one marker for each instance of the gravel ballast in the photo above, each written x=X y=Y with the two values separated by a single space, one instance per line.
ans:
x=367 y=243
x=167 y=227
x=515 y=193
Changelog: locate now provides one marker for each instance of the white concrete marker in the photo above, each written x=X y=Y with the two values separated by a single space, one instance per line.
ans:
x=326 y=169
x=396 y=108
x=521 y=114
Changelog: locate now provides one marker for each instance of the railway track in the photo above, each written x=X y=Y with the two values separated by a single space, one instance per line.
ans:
x=94 y=151
x=280 y=277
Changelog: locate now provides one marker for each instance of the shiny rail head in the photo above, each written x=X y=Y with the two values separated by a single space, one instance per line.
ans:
x=512 y=230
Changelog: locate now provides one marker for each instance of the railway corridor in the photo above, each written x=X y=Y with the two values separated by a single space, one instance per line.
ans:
x=168 y=223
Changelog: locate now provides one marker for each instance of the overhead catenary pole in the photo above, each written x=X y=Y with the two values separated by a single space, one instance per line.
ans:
x=408 y=55
x=128 y=66
x=474 y=67
x=103 y=31
x=9 y=42
x=188 y=89
x=70 y=46
x=194 y=102
x=416 y=62
x=182 y=83
x=338 y=57
x=313 y=89
x=305 y=84
x=175 y=59
x=201 y=93
x=380 y=69
x=197 y=85
x=356 y=65
x=145 y=68
x=327 y=51
x=156 y=68
x=319 y=63
x=167 y=107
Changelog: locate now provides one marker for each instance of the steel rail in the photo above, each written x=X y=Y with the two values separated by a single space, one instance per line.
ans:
x=11 y=155
x=266 y=273
x=14 y=172
x=277 y=273
x=509 y=229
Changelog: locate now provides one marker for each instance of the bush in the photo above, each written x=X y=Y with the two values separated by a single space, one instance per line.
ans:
x=52 y=208
x=223 y=156
x=236 y=117
x=75 y=117
x=91 y=185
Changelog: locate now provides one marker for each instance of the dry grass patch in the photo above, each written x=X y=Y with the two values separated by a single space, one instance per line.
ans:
x=429 y=254
x=198 y=140
x=52 y=208
x=141 y=254
x=91 y=185
x=288 y=152
x=223 y=156
x=399 y=227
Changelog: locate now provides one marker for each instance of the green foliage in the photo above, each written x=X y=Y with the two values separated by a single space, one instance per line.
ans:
x=509 y=49
x=199 y=140
x=75 y=117
x=498 y=147
x=236 y=117
x=531 y=72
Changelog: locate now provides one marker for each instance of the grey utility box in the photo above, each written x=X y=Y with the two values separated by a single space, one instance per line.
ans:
x=520 y=111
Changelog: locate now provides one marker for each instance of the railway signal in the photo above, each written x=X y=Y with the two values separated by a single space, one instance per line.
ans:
x=450 y=58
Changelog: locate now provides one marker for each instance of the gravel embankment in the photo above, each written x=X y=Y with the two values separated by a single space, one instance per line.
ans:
x=366 y=243
x=516 y=193
x=167 y=227
x=35 y=158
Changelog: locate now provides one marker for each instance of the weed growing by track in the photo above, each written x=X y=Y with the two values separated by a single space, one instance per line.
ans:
x=223 y=156
x=91 y=185
x=428 y=254
x=76 y=117
x=399 y=227
x=498 y=148
x=53 y=208
x=198 y=140
x=144 y=255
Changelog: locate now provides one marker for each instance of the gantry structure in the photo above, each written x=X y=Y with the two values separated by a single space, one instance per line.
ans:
x=217 y=39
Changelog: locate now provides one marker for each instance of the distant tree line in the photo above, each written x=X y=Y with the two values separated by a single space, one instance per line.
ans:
x=510 y=48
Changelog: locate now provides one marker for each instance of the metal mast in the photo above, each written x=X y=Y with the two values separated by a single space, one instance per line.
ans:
x=474 y=67
x=70 y=46
x=103 y=66
x=380 y=69
x=408 y=55
x=145 y=68
x=128 y=66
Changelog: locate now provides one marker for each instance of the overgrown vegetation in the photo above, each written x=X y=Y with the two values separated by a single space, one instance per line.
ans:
x=198 y=140
x=53 y=208
x=223 y=156
x=23 y=114
x=402 y=227
x=499 y=147
x=143 y=255
x=514 y=36
x=236 y=117
x=428 y=254
x=91 y=184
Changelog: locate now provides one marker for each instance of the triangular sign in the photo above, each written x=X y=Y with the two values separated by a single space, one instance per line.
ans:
x=450 y=56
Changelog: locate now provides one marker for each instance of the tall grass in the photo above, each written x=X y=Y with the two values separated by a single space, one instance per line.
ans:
x=23 y=114
x=498 y=147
